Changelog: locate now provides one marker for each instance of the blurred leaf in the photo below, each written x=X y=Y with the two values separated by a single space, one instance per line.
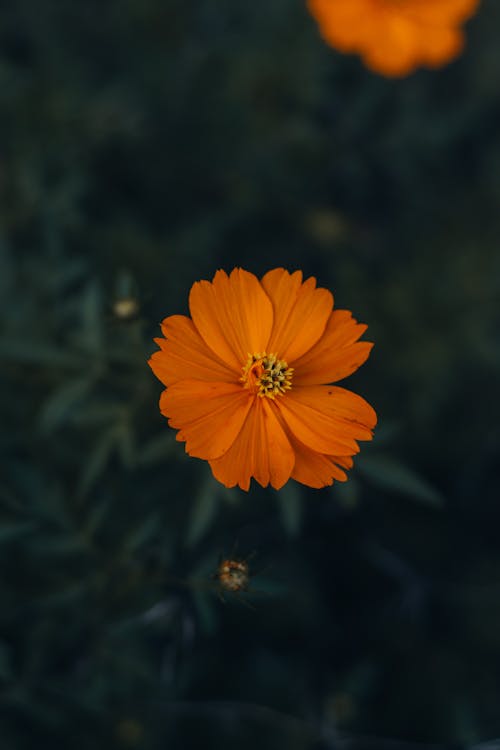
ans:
x=5 y=662
x=13 y=532
x=72 y=270
x=203 y=511
x=97 y=412
x=95 y=519
x=125 y=285
x=92 y=334
x=386 y=434
x=96 y=461
x=60 y=546
x=6 y=270
x=291 y=509
x=33 y=352
x=204 y=604
x=158 y=448
x=388 y=474
x=67 y=597
x=347 y=493
x=9 y=500
x=60 y=405
x=143 y=533
x=466 y=722
x=34 y=712
x=126 y=443
x=49 y=503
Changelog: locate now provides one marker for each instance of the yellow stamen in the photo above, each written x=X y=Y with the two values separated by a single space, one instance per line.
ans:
x=266 y=375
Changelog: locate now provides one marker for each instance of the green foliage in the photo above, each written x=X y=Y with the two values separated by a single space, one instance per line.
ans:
x=146 y=143
x=291 y=509
x=393 y=476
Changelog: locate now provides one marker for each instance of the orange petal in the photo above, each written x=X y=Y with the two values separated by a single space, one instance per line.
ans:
x=344 y=24
x=208 y=415
x=315 y=469
x=184 y=355
x=440 y=12
x=336 y=355
x=233 y=315
x=411 y=36
x=261 y=450
x=327 y=419
x=394 y=38
x=395 y=51
x=301 y=313
x=441 y=46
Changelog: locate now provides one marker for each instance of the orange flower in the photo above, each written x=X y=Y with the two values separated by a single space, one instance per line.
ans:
x=247 y=379
x=394 y=37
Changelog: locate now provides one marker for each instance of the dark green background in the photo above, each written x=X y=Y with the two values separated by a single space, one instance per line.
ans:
x=143 y=145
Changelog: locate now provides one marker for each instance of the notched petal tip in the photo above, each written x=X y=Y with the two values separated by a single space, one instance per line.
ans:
x=337 y=354
x=209 y=416
x=261 y=451
x=301 y=312
x=232 y=314
x=184 y=355
x=327 y=419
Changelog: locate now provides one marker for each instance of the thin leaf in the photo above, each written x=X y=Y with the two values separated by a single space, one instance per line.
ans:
x=96 y=517
x=126 y=443
x=204 y=605
x=6 y=270
x=13 y=531
x=96 y=462
x=291 y=509
x=158 y=449
x=5 y=662
x=64 y=598
x=34 y=352
x=203 y=511
x=9 y=500
x=97 y=412
x=92 y=319
x=347 y=494
x=62 y=403
x=388 y=474
x=143 y=533
x=59 y=546
x=73 y=270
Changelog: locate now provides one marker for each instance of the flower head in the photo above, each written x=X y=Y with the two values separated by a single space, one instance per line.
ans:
x=394 y=37
x=248 y=380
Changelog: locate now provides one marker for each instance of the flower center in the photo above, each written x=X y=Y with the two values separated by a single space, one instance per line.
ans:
x=266 y=375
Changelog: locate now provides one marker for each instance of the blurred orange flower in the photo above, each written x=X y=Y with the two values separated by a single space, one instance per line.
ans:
x=394 y=37
x=247 y=379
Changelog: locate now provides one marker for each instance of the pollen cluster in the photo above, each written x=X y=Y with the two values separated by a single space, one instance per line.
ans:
x=266 y=375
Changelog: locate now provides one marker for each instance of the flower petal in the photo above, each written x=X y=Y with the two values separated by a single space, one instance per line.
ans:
x=261 y=450
x=208 y=415
x=394 y=38
x=440 y=46
x=345 y=24
x=440 y=12
x=184 y=355
x=396 y=49
x=327 y=419
x=301 y=313
x=413 y=36
x=336 y=355
x=316 y=469
x=233 y=315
